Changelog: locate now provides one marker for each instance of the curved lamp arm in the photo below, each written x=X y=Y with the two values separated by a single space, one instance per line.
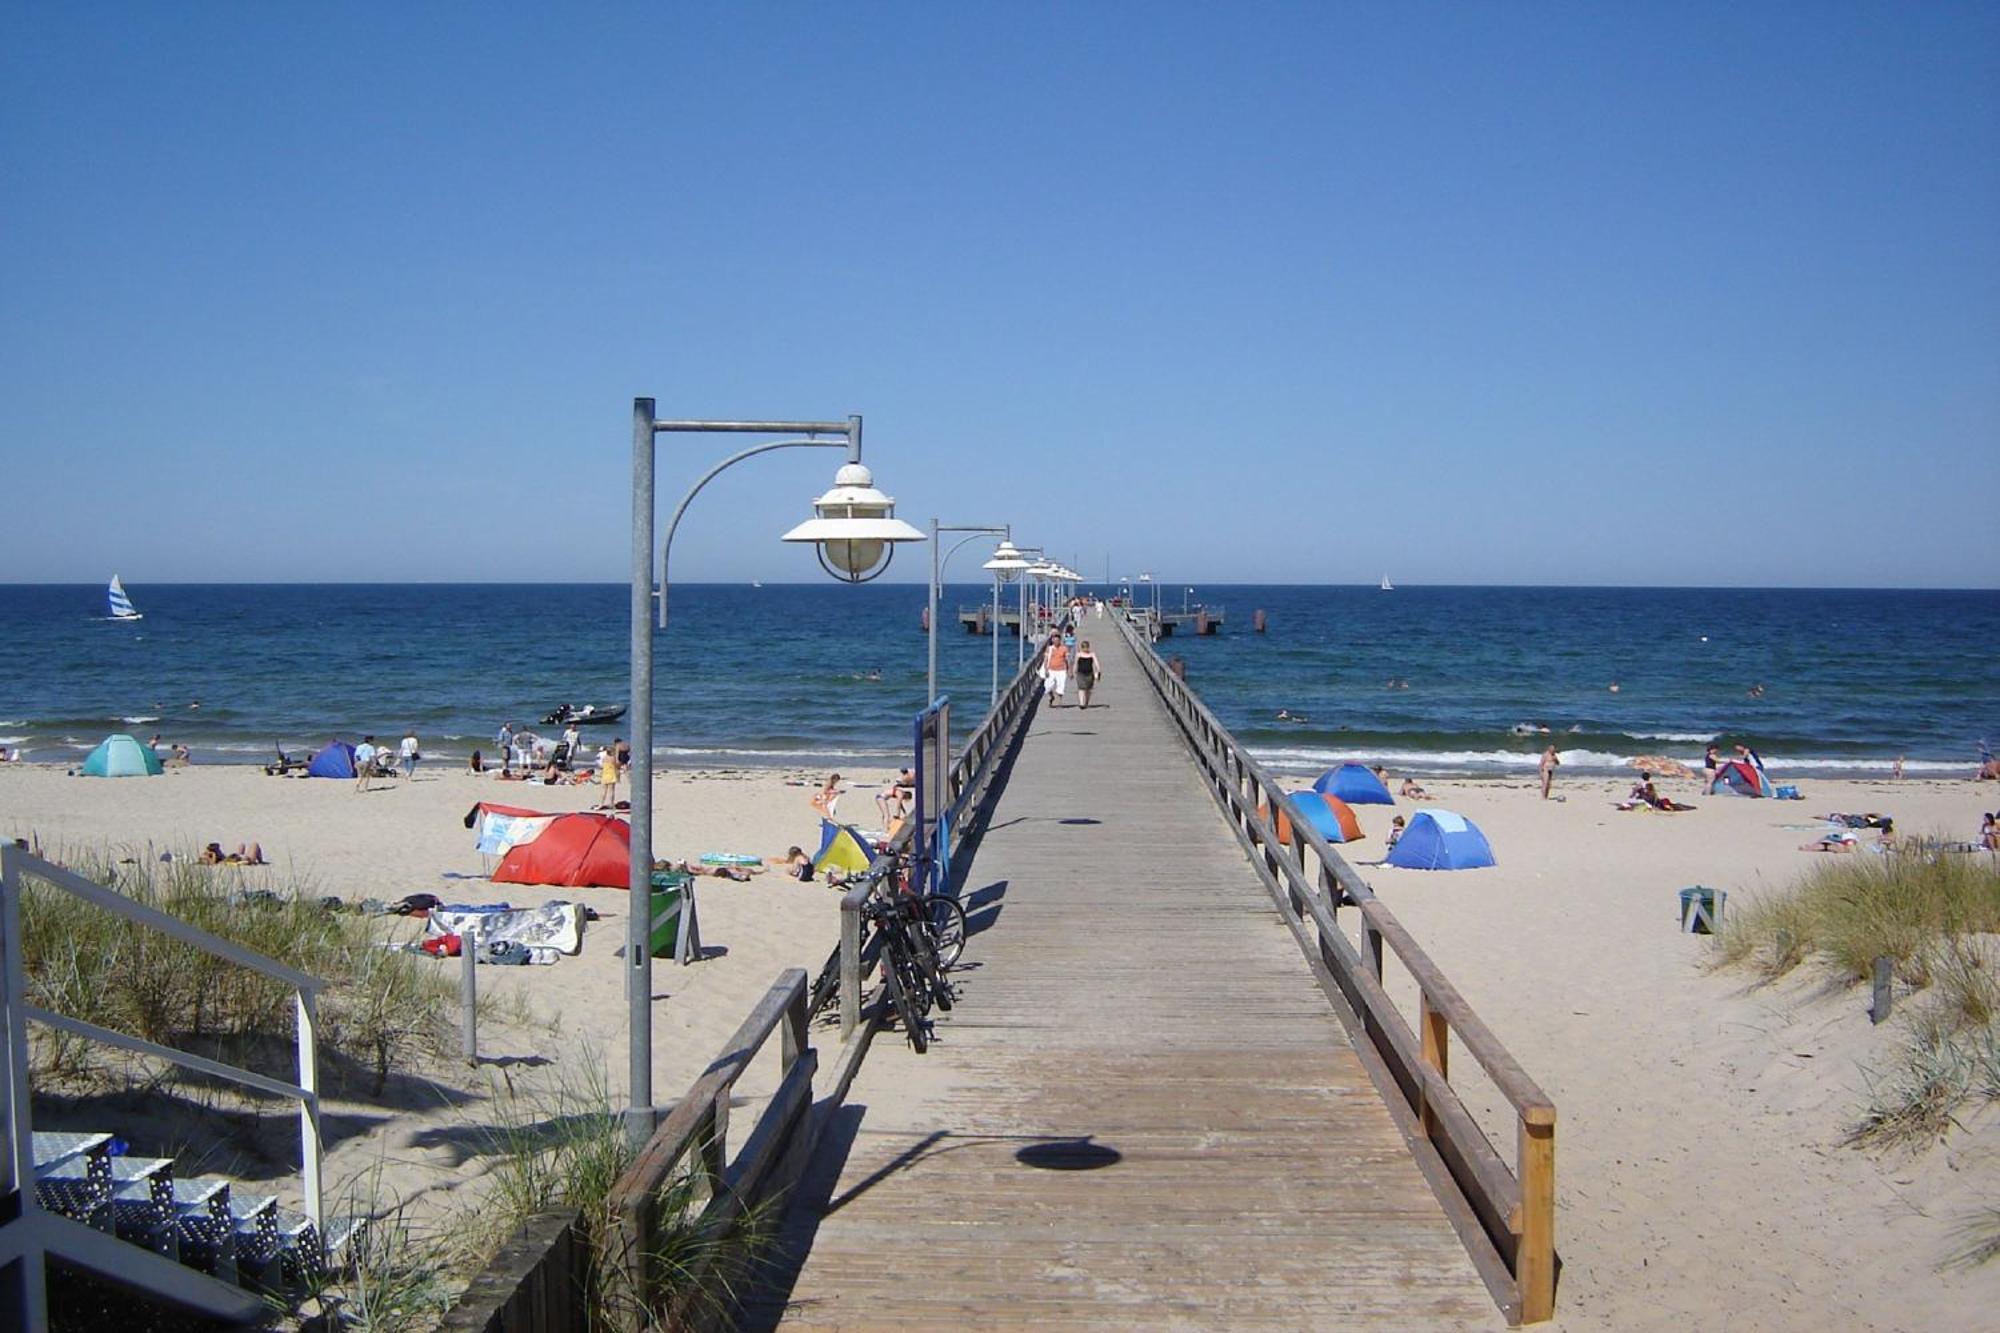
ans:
x=667 y=546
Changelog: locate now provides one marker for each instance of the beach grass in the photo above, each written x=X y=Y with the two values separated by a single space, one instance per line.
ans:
x=566 y=1150
x=1851 y=910
x=379 y=1011
x=1937 y=917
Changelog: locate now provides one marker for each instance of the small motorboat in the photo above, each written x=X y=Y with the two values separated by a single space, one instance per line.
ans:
x=588 y=715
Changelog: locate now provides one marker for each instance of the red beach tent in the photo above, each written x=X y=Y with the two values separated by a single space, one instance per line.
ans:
x=576 y=851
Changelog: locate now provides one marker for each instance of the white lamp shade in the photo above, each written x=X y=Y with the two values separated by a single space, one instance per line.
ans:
x=854 y=526
x=1006 y=561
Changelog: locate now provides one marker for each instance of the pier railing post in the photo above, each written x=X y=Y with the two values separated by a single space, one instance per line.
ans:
x=1535 y=1257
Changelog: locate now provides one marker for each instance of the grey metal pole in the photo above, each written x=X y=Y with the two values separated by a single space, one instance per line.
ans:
x=930 y=680
x=639 y=905
x=993 y=697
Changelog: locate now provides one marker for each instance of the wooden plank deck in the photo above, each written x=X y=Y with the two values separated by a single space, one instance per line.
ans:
x=1142 y=1113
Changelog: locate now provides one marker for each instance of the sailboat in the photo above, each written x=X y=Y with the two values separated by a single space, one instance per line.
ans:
x=1386 y=585
x=120 y=605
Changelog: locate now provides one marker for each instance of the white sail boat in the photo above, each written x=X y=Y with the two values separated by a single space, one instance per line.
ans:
x=1386 y=585
x=120 y=605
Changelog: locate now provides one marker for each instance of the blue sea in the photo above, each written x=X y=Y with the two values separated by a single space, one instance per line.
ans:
x=1432 y=680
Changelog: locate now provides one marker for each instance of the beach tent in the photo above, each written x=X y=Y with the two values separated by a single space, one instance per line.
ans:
x=1333 y=817
x=121 y=756
x=1738 y=778
x=842 y=848
x=1441 y=840
x=575 y=851
x=1354 y=784
x=335 y=761
x=499 y=827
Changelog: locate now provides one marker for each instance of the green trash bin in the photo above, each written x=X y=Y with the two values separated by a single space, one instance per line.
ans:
x=672 y=899
x=1701 y=910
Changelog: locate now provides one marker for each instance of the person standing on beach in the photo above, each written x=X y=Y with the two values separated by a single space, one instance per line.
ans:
x=410 y=753
x=1550 y=762
x=503 y=741
x=364 y=763
x=1088 y=673
x=607 y=776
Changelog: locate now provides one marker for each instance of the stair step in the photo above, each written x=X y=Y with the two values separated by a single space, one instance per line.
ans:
x=204 y=1232
x=81 y=1198
x=53 y=1149
x=209 y=1192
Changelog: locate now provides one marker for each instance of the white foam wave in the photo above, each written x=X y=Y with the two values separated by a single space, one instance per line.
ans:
x=137 y=718
x=14 y=740
x=1510 y=761
x=1697 y=737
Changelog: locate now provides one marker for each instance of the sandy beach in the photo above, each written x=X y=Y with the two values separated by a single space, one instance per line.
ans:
x=1702 y=1179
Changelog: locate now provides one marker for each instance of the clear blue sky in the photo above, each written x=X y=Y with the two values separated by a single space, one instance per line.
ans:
x=1679 y=293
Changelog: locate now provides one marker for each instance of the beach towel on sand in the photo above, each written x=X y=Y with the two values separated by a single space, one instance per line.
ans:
x=553 y=925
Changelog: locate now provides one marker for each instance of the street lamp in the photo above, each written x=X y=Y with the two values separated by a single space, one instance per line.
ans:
x=856 y=530
x=1006 y=564
x=938 y=563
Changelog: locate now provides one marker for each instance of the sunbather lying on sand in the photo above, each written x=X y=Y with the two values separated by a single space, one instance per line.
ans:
x=246 y=854
x=1645 y=794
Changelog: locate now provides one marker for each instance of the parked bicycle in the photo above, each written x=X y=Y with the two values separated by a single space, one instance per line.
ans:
x=919 y=937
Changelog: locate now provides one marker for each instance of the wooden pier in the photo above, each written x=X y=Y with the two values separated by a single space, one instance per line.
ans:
x=1144 y=1111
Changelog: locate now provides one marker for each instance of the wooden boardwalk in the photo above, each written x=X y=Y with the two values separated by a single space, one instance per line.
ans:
x=1141 y=1113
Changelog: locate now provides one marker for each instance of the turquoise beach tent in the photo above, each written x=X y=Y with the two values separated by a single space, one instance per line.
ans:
x=1354 y=784
x=335 y=761
x=121 y=756
x=1441 y=840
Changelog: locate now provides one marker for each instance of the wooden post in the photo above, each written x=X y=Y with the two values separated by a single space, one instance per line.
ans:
x=1885 y=976
x=850 y=969
x=1535 y=1256
x=1436 y=1034
x=1374 y=939
x=468 y=992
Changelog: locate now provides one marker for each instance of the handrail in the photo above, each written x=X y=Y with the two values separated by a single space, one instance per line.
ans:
x=699 y=1124
x=971 y=773
x=1506 y=1216
x=17 y=864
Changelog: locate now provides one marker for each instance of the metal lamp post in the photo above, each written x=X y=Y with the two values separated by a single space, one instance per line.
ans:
x=1006 y=565
x=855 y=530
x=938 y=562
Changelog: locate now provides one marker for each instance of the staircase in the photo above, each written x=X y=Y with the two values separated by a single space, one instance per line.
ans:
x=206 y=1224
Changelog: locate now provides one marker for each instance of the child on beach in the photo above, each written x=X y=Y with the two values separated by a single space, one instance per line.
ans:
x=827 y=799
x=607 y=777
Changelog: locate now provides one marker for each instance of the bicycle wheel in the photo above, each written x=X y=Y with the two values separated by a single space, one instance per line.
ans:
x=944 y=920
x=896 y=977
x=929 y=971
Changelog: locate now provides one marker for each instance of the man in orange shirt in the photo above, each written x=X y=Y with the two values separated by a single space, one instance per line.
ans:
x=1058 y=670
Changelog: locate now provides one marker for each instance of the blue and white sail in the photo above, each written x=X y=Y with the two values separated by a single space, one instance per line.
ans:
x=120 y=605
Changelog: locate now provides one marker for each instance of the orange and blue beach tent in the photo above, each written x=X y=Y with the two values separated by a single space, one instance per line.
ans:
x=1333 y=817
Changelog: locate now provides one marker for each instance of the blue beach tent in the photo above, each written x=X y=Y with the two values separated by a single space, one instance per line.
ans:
x=1441 y=840
x=121 y=756
x=1354 y=784
x=335 y=761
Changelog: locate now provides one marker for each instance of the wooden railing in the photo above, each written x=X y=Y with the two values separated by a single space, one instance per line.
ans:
x=764 y=1168
x=1504 y=1215
x=966 y=785
x=540 y=1279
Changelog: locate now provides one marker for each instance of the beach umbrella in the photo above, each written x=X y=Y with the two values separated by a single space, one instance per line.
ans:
x=1660 y=766
x=1333 y=817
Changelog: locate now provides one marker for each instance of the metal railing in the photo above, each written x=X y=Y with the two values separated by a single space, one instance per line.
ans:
x=1504 y=1215
x=966 y=784
x=43 y=1232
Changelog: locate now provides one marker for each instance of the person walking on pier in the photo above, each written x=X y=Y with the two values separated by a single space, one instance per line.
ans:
x=1088 y=673
x=1057 y=670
